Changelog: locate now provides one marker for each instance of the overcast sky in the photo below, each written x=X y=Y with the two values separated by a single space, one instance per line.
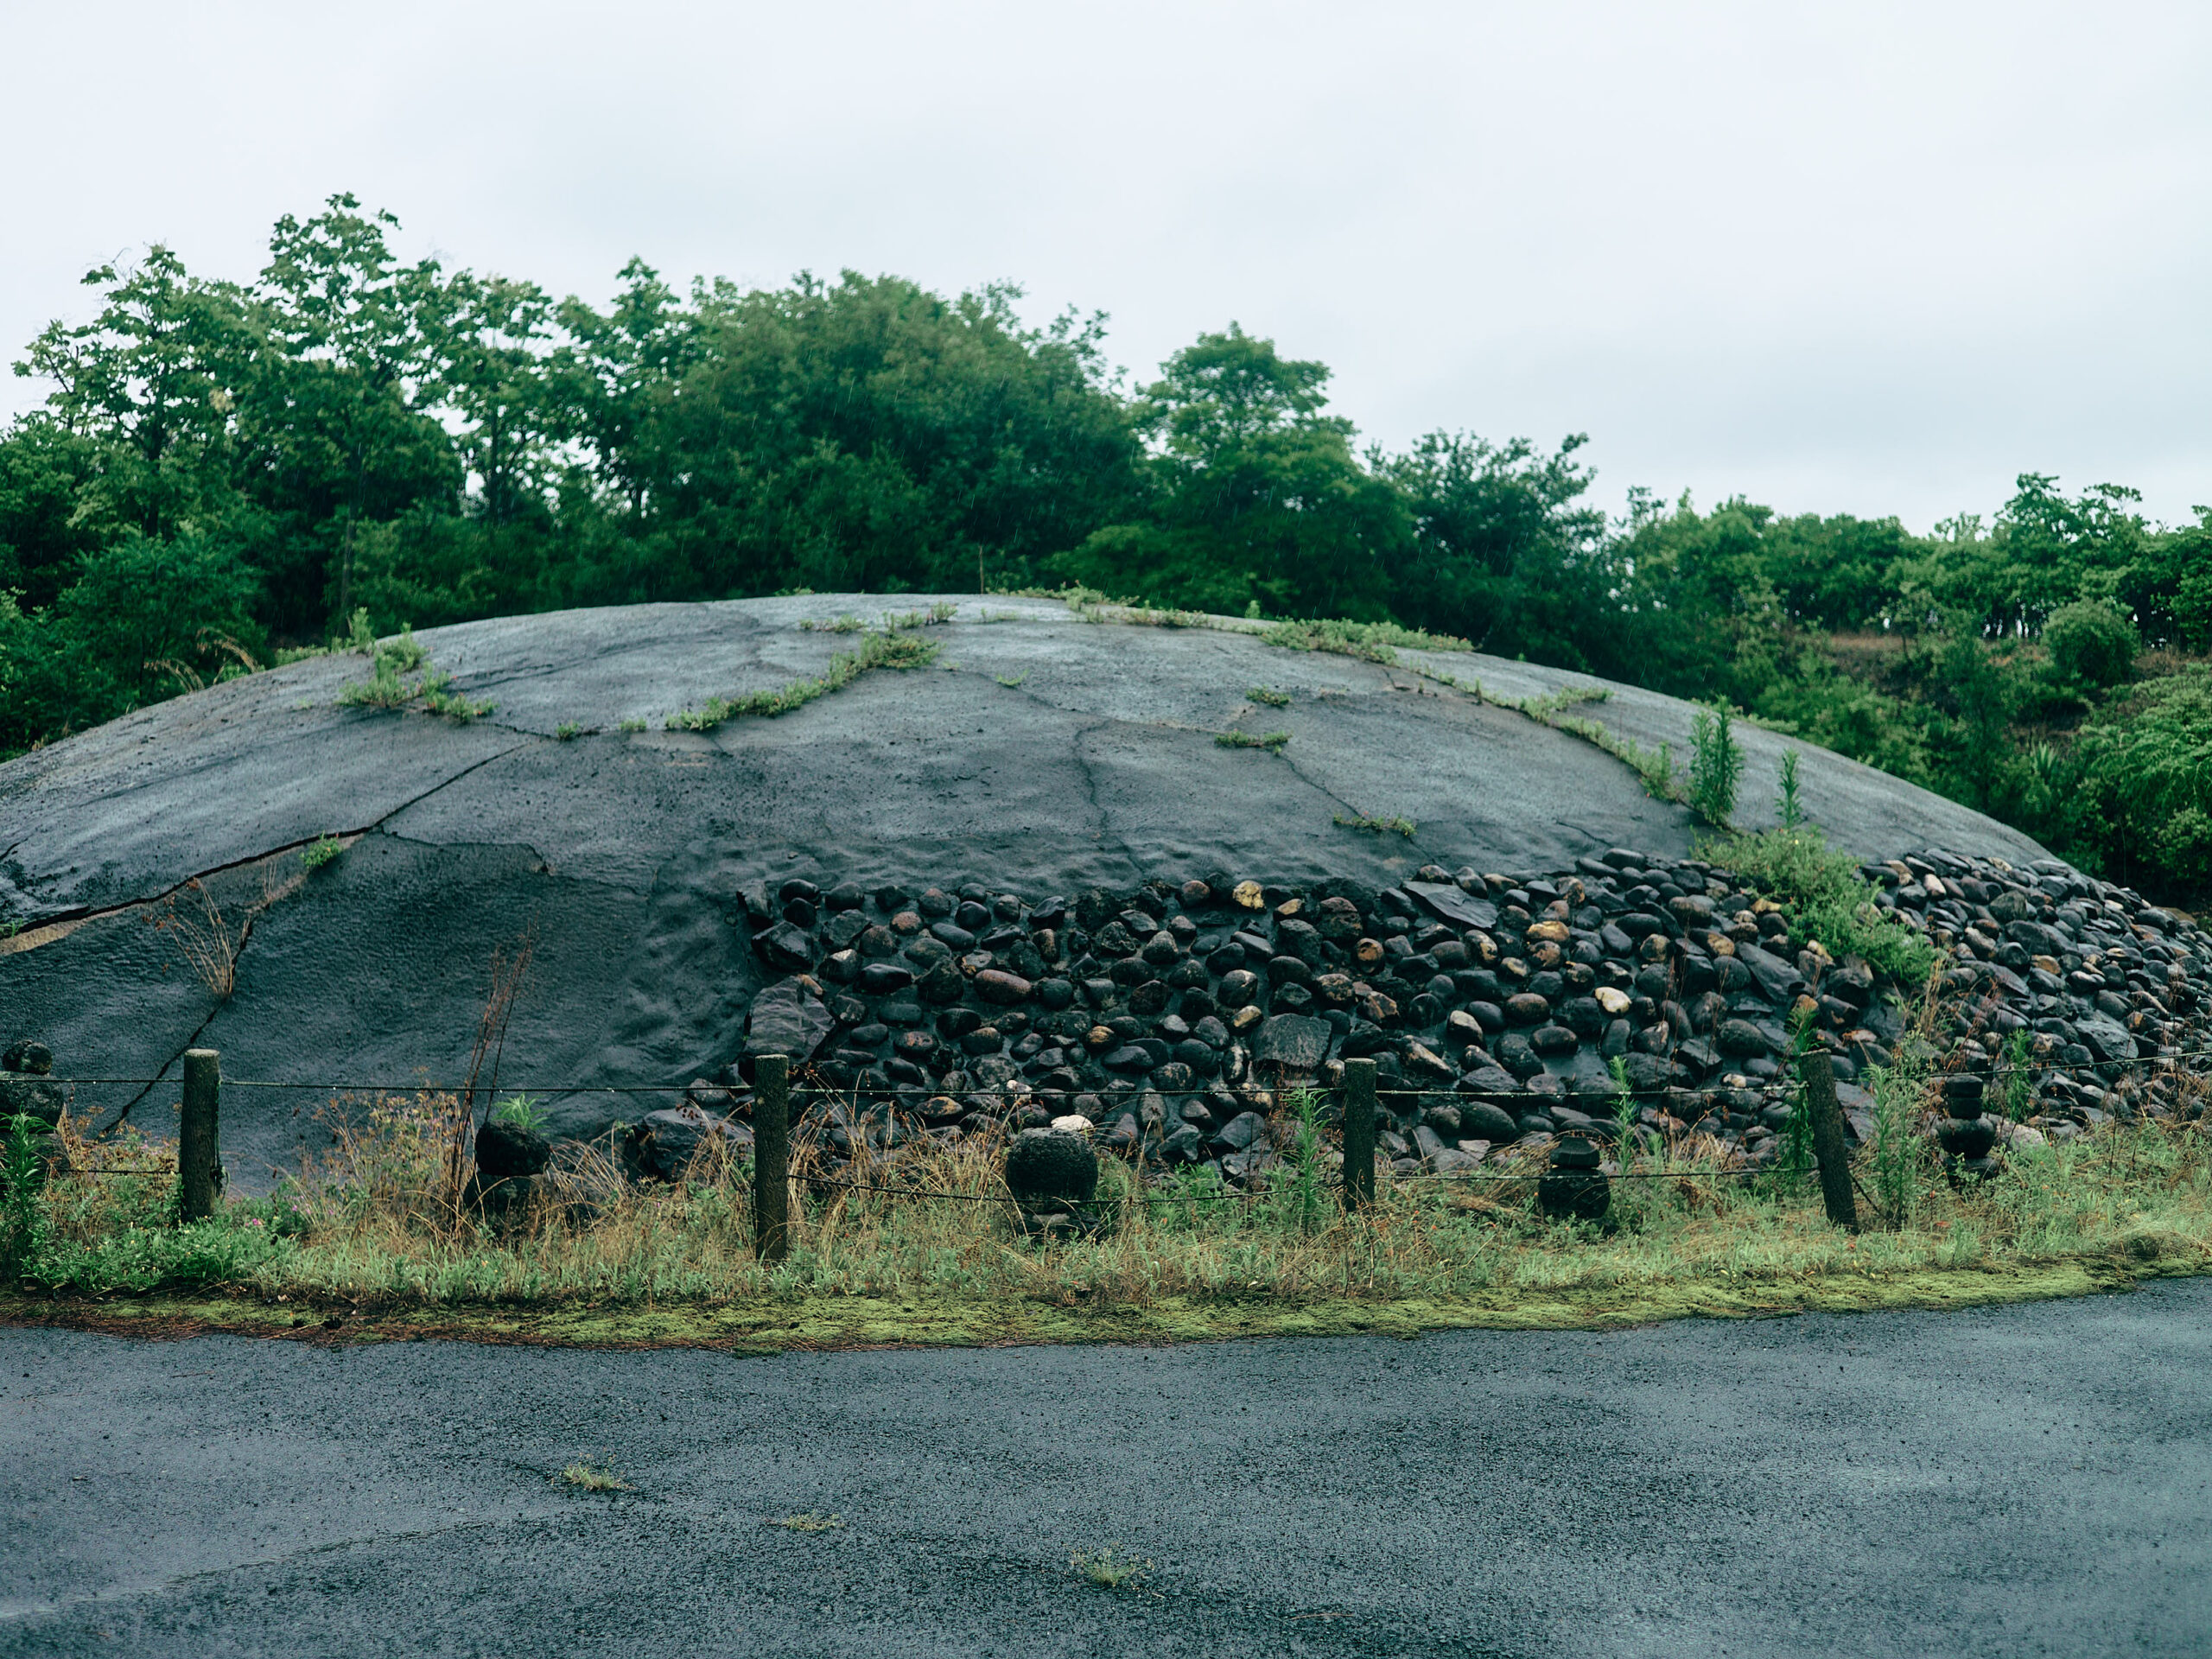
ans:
x=1854 y=257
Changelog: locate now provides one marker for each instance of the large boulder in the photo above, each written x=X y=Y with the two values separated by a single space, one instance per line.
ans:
x=667 y=877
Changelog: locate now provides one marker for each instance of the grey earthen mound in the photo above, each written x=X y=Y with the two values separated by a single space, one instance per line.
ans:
x=1041 y=754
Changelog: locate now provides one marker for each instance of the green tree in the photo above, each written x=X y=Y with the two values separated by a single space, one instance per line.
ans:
x=2146 y=769
x=152 y=382
x=2091 y=642
x=1254 y=497
x=1505 y=551
x=344 y=419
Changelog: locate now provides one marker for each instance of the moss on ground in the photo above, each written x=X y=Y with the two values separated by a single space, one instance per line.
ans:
x=778 y=1325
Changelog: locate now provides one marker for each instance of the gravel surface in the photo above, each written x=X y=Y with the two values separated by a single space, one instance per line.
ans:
x=2011 y=1481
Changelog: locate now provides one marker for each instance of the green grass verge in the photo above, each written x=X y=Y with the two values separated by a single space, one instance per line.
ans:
x=778 y=1325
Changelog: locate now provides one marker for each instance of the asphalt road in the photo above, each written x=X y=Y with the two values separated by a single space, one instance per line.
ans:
x=2013 y=1481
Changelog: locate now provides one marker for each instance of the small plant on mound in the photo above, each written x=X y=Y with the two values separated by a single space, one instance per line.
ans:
x=320 y=851
x=1271 y=742
x=1792 y=808
x=1269 y=697
x=1376 y=826
x=811 y=1522
x=387 y=686
x=1716 y=765
x=523 y=1111
x=1109 y=1569
x=900 y=647
x=1372 y=642
x=586 y=1477
x=1824 y=898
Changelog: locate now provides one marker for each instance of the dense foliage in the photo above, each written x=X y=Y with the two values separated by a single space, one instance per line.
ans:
x=223 y=470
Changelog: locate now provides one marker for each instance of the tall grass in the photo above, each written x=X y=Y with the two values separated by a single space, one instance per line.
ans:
x=377 y=1219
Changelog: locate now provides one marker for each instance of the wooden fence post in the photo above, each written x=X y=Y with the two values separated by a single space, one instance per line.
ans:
x=199 y=1174
x=1357 y=1096
x=772 y=1122
x=1819 y=1077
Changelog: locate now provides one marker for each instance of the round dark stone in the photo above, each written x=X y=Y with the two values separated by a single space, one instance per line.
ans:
x=1526 y=1009
x=508 y=1152
x=1740 y=1037
x=1575 y=1152
x=29 y=1056
x=1967 y=1138
x=1552 y=1040
x=1583 y=1016
x=995 y=985
x=1052 y=1167
x=880 y=978
x=942 y=984
x=1483 y=1121
x=1055 y=994
x=1198 y=1055
x=1575 y=1194
x=1962 y=1093
x=1149 y=998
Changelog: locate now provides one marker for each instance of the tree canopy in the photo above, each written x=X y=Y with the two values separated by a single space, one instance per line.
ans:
x=223 y=469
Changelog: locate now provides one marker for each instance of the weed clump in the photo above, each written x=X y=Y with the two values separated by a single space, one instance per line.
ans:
x=896 y=648
x=1272 y=743
x=1372 y=642
x=1716 y=765
x=1109 y=1569
x=387 y=687
x=1375 y=826
x=584 y=1475
x=1824 y=898
x=809 y=1522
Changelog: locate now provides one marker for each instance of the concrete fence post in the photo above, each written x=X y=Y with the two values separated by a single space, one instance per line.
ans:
x=1358 y=1096
x=771 y=1157
x=1819 y=1078
x=199 y=1171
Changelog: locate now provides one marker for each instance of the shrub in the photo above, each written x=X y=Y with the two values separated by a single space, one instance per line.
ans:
x=2091 y=642
x=22 y=1218
x=2146 y=763
x=1825 y=897
x=1375 y=642
x=523 y=1111
x=1793 y=807
x=1716 y=765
